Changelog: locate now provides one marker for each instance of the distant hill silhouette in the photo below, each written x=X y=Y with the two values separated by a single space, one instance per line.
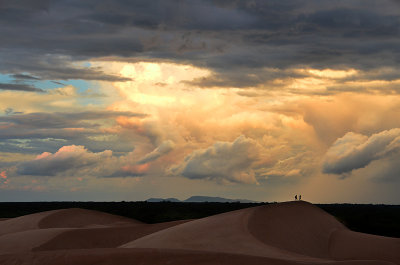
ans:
x=163 y=200
x=200 y=199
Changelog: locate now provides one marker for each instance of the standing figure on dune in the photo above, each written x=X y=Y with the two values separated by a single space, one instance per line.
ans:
x=295 y=197
x=299 y=197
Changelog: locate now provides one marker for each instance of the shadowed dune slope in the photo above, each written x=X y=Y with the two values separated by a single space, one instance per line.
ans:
x=346 y=244
x=26 y=241
x=104 y=237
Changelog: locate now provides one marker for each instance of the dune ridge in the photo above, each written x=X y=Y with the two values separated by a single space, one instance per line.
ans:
x=283 y=234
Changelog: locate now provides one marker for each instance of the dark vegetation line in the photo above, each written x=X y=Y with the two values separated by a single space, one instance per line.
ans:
x=373 y=219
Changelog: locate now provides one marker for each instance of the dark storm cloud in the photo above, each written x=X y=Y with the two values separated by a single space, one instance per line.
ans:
x=19 y=87
x=231 y=37
x=247 y=77
x=49 y=66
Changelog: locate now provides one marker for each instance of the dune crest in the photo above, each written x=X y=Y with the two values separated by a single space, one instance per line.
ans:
x=23 y=223
x=76 y=217
x=64 y=218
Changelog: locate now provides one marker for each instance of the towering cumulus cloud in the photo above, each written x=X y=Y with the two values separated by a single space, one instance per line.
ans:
x=223 y=161
x=354 y=151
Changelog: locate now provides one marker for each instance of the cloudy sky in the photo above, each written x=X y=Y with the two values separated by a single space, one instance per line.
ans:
x=127 y=100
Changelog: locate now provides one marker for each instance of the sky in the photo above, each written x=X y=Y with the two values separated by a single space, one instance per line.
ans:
x=127 y=100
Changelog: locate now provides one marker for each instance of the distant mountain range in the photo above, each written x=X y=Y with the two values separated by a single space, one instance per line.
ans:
x=162 y=200
x=200 y=199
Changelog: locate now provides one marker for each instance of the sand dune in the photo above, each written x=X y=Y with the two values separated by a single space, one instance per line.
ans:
x=25 y=241
x=346 y=244
x=282 y=234
x=294 y=231
x=107 y=237
x=64 y=218
x=298 y=227
x=153 y=257
x=22 y=223
x=83 y=218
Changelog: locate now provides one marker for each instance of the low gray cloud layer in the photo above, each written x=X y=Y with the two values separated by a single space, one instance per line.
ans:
x=42 y=131
x=354 y=151
x=63 y=120
x=19 y=87
x=53 y=66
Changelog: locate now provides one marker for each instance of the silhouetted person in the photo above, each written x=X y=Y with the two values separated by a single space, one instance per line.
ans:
x=299 y=197
x=295 y=197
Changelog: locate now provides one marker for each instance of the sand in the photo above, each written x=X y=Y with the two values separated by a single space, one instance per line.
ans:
x=282 y=234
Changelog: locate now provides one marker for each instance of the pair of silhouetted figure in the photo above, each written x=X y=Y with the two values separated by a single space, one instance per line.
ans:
x=295 y=197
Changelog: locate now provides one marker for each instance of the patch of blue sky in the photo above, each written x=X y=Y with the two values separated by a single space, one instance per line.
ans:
x=47 y=84
x=87 y=88
x=87 y=64
x=81 y=85
x=5 y=78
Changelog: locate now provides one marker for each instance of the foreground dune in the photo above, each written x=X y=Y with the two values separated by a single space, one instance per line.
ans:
x=65 y=218
x=282 y=234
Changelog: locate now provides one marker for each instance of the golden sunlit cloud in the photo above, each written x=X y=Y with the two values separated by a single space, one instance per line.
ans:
x=331 y=73
x=195 y=118
x=185 y=130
